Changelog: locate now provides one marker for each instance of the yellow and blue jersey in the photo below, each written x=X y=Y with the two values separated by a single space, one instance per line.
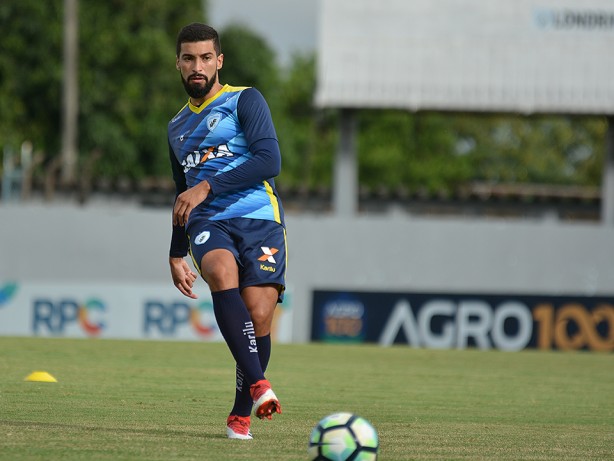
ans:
x=231 y=142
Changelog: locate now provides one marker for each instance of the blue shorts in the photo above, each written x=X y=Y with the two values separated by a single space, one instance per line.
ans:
x=259 y=246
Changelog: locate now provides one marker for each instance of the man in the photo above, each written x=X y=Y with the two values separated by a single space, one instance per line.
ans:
x=224 y=153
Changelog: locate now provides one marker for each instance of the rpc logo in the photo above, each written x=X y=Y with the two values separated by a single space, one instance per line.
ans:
x=57 y=317
x=172 y=319
x=7 y=292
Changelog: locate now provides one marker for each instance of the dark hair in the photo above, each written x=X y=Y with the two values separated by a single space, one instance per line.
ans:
x=197 y=32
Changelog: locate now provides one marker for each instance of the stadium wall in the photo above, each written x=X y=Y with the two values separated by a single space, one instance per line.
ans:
x=63 y=268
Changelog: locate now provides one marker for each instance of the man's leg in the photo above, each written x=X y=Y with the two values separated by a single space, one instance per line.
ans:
x=220 y=271
x=261 y=302
x=243 y=400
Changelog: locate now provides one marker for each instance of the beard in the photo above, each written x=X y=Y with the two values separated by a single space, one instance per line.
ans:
x=196 y=90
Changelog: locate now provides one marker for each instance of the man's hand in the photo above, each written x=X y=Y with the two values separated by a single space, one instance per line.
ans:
x=183 y=277
x=187 y=201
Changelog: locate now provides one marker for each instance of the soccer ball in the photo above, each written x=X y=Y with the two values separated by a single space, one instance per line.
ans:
x=343 y=437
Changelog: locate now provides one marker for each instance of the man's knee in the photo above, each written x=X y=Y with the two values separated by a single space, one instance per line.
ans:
x=220 y=271
x=261 y=302
x=262 y=316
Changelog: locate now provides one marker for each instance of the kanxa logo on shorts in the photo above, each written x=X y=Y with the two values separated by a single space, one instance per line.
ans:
x=268 y=254
x=202 y=237
x=267 y=257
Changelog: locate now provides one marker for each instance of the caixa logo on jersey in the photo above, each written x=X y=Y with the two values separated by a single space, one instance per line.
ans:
x=201 y=156
x=68 y=316
x=179 y=319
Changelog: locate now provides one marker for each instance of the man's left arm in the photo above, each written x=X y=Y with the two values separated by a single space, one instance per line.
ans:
x=257 y=125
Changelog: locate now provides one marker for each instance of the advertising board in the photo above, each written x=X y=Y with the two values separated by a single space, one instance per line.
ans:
x=116 y=311
x=448 y=321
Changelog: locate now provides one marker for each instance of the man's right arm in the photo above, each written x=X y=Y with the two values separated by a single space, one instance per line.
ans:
x=183 y=276
x=179 y=240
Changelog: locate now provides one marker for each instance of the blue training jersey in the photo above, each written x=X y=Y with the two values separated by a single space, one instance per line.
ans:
x=230 y=141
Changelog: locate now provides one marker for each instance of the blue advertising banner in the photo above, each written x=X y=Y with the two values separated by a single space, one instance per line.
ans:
x=448 y=321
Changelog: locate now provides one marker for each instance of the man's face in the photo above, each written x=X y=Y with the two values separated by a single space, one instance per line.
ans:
x=199 y=64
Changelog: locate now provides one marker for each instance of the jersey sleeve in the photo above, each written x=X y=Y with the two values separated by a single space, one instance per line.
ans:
x=257 y=125
x=179 y=239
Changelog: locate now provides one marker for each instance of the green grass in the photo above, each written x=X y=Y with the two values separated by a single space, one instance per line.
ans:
x=147 y=400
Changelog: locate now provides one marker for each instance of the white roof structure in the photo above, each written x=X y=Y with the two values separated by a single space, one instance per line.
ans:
x=520 y=56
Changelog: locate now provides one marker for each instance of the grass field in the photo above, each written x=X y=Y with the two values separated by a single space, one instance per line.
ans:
x=139 y=400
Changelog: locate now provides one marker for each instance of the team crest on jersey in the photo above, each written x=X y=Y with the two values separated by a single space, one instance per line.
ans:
x=213 y=120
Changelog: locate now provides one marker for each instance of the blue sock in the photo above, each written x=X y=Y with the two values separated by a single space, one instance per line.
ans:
x=237 y=329
x=264 y=351
x=243 y=399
